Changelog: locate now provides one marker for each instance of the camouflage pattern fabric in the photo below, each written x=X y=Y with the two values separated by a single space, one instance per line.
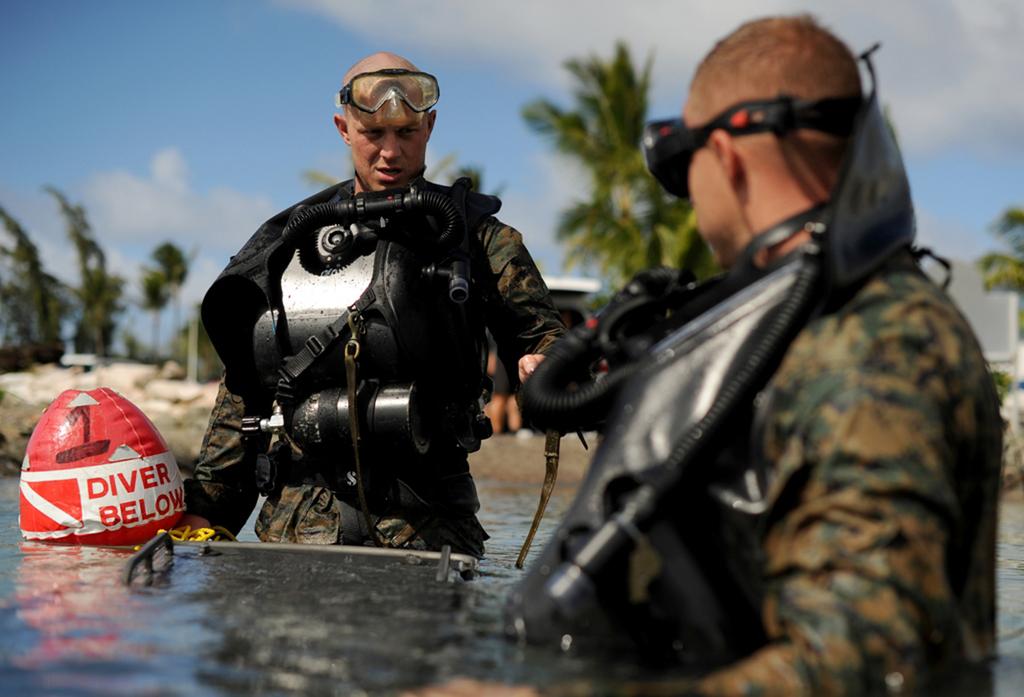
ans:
x=223 y=487
x=879 y=545
x=519 y=314
x=312 y=514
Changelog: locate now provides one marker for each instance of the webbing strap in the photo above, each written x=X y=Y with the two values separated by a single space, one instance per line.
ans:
x=315 y=346
x=352 y=349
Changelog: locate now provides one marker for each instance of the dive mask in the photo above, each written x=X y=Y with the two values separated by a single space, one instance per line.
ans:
x=370 y=91
x=669 y=145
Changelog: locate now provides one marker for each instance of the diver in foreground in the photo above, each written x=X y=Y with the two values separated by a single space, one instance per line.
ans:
x=797 y=489
x=351 y=327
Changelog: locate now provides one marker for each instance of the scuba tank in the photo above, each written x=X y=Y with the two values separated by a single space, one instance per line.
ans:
x=659 y=550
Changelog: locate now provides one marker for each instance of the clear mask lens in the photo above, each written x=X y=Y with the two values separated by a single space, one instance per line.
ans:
x=370 y=91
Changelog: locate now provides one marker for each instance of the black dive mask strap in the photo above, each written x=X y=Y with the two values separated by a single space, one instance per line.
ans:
x=783 y=114
x=669 y=145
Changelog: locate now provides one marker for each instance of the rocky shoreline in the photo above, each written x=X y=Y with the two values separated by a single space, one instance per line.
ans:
x=180 y=410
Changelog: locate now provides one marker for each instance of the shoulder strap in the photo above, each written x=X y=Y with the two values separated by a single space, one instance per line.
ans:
x=315 y=346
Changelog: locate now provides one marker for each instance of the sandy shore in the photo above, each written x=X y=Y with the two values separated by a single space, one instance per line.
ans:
x=520 y=459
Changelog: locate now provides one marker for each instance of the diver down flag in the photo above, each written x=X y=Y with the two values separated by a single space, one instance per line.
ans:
x=97 y=471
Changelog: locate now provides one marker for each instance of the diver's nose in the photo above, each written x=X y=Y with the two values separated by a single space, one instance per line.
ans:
x=393 y=105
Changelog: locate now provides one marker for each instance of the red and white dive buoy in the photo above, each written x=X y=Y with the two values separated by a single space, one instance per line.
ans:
x=96 y=471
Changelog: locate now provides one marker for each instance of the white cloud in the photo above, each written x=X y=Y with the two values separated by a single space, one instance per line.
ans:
x=170 y=171
x=949 y=68
x=131 y=214
x=160 y=206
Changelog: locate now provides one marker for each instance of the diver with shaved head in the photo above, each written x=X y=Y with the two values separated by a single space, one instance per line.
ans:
x=387 y=120
x=352 y=330
x=797 y=491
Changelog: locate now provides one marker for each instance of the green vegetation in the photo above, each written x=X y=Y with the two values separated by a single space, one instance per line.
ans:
x=99 y=292
x=32 y=302
x=154 y=299
x=1003 y=382
x=173 y=266
x=625 y=222
x=1006 y=270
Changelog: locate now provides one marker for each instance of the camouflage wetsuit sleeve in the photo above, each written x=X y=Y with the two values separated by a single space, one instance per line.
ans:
x=522 y=318
x=223 y=489
x=880 y=543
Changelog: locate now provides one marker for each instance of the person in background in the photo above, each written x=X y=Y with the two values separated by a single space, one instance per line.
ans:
x=425 y=497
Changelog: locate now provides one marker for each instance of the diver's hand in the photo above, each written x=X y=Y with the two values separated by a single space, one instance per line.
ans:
x=528 y=364
x=193 y=521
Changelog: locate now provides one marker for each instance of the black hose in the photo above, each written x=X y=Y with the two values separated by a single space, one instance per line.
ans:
x=546 y=399
x=638 y=508
x=377 y=204
x=452 y=224
x=767 y=344
x=548 y=404
x=571 y=588
x=312 y=217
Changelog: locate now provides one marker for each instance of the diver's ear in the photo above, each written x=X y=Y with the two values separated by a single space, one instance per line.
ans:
x=341 y=123
x=431 y=117
x=723 y=145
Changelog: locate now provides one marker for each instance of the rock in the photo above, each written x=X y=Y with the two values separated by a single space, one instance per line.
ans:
x=171 y=370
x=17 y=419
x=179 y=410
x=127 y=378
x=173 y=390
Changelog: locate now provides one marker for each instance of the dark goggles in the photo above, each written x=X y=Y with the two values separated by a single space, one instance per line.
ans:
x=370 y=91
x=669 y=145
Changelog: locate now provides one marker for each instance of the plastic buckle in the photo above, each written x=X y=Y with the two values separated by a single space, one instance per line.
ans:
x=315 y=346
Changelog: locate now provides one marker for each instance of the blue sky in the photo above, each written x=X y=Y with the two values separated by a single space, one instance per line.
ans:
x=192 y=121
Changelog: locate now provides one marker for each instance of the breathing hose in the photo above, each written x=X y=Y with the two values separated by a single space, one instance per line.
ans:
x=571 y=586
x=381 y=204
x=547 y=402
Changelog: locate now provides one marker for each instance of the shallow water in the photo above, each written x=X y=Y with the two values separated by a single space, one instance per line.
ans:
x=68 y=626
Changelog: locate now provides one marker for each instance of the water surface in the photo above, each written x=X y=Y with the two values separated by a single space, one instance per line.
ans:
x=69 y=627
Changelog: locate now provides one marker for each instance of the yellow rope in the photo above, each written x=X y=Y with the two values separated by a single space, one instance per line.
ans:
x=185 y=533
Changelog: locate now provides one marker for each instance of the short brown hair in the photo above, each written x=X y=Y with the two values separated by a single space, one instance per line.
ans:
x=767 y=57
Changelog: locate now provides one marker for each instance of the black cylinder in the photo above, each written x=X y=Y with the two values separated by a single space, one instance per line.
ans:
x=388 y=415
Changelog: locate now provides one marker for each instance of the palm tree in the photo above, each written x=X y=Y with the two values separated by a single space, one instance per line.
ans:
x=627 y=222
x=100 y=292
x=1002 y=269
x=33 y=300
x=173 y=265
x=155 y=293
